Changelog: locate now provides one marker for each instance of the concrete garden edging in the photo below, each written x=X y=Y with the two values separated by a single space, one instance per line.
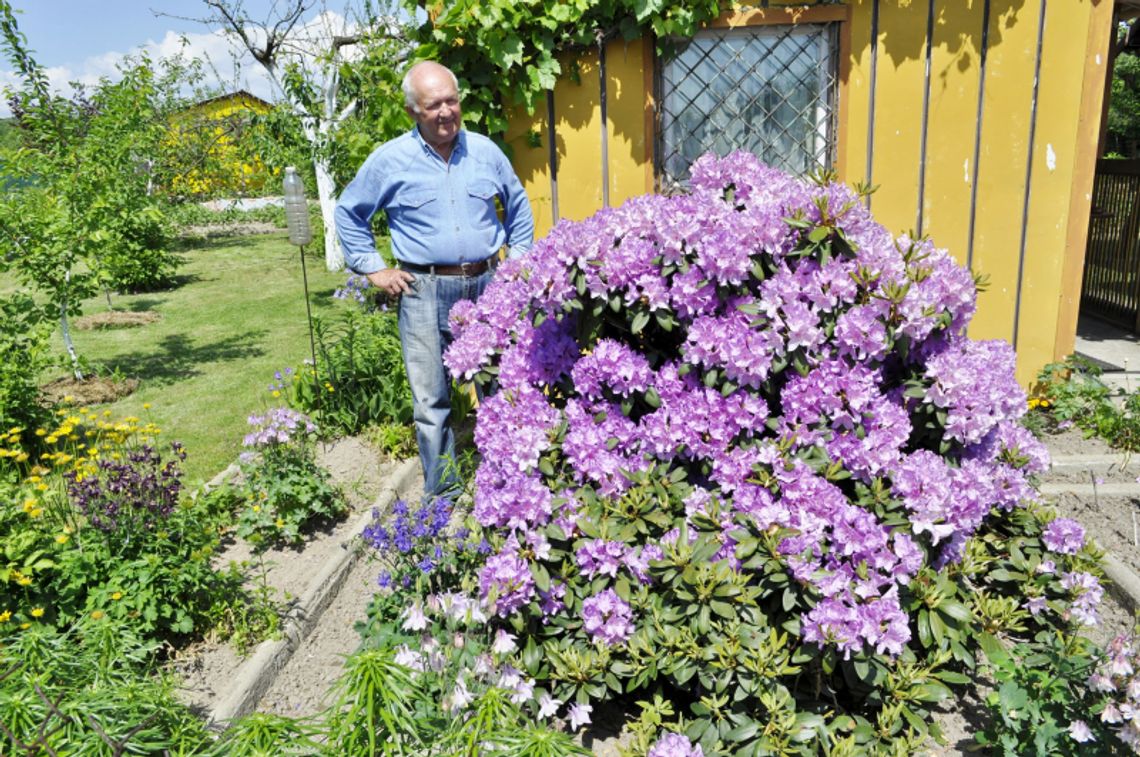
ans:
x=254 y=677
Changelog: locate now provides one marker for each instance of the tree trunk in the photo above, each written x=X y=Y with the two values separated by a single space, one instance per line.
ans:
x=65 y=328
x=334 y=258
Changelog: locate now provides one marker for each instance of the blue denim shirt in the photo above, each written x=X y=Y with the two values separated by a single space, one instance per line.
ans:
x=439 y=213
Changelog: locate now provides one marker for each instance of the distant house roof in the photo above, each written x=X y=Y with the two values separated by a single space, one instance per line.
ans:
x=243 y=94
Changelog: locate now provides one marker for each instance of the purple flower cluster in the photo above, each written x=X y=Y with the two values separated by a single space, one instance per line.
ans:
x=136 y=492
x=719 y=332
x=675 y=745
x=1064 y=536
x=607 y=618
x=281 y=425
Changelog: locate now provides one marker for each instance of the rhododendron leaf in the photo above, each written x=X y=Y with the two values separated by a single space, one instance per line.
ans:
x=652 y=398
x=621 y=588
x=723 y=609
x=728 y=388
x=925 y=637
x=744 y=732
x=916 y=722
x=540 y=575
x=640 y=321
x=954 y=610
x=665 y=321
x=710 y=378
x=545 y=466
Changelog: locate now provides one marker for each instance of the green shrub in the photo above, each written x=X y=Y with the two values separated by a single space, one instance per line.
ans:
x=89 y=690
x=284 y=487
x=360 y=379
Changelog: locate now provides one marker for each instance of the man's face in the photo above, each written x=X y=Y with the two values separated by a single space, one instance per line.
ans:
x=439 y=117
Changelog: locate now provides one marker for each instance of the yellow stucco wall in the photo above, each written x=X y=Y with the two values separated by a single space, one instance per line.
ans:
x=1017 y=213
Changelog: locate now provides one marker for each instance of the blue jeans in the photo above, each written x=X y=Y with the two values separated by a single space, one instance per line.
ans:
x=424 y=335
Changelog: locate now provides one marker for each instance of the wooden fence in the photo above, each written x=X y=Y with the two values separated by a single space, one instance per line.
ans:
x=1111 y=288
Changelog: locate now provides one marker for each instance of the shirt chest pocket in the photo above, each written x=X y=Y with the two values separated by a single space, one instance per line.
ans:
x=481 y=196
x=415 y=211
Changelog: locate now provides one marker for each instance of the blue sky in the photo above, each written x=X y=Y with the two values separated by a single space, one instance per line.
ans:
x=82 y=40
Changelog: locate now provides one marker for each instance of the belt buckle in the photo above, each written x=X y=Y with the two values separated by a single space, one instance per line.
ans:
x=467 y=269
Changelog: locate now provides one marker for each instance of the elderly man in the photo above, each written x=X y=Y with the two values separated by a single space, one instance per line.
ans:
x=438 y=184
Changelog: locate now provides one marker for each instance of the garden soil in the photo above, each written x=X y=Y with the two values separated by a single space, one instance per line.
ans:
x=303 y=687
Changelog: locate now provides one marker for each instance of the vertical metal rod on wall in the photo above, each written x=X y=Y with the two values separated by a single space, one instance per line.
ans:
x=978 y=132
x=871 y=106
x=1028 y=174
x=605 y=136
x=552 y=153
x=925 y=118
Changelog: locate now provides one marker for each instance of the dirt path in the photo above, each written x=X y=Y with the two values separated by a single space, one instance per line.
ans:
x=207 y=670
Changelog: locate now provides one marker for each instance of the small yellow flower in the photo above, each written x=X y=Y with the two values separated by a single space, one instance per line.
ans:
x=68 y=398
x=257 y=508
x=30 y=504
x=117 y=596
x=106 y=413
x=42 y=487
x=276 y=393
x=52 y=439
x=146 y=406
x=280 y=523
x=25 y=626
x=24 y=580
x=5 y=616
x=37 y=612
x=36 y=513
x=61 y=538
x=40 y=432
x=22 y=457
x=97 y=615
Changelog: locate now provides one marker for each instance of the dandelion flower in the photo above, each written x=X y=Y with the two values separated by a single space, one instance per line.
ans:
x=37 y=612
x=5 y=616
x=97 y=615
x=61 y=538
x=117 y=596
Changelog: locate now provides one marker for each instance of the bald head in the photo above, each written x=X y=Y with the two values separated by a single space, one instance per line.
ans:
x=425 y=75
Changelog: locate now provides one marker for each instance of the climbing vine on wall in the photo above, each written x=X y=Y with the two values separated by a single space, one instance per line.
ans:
x=506 y=51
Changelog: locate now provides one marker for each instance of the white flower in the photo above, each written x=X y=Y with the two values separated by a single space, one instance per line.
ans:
x=460 y=696
x=579 y=715
x=408 y=658
x=504 y=643
x=1080 y=733
x=414 y=618
x=547 y=705
x=523 y=691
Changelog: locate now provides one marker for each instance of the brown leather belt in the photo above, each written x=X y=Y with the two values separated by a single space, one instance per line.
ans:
x=462 y=269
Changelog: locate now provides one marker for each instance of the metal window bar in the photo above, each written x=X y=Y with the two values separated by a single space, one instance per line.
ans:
x=771 y=90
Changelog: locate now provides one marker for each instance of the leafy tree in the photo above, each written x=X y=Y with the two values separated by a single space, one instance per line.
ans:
x=1123 y=136
x=83 y=215
x=307 y=63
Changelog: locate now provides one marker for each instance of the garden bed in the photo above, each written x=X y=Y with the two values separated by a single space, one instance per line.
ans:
x=207 y=669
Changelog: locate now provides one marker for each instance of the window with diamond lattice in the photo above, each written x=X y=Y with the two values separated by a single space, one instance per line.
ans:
x=770 y=90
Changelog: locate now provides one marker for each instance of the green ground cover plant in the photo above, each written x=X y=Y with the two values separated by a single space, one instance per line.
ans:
x=1070 y=392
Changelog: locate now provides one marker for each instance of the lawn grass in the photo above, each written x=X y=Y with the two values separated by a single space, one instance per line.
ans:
x=236 y=316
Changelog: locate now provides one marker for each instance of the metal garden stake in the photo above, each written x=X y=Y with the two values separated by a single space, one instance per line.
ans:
x=300 y=234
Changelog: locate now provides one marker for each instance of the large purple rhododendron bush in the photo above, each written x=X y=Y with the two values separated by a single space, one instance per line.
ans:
x=741 y=454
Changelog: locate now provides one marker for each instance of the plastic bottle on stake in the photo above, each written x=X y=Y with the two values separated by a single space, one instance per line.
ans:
x=296 y=208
